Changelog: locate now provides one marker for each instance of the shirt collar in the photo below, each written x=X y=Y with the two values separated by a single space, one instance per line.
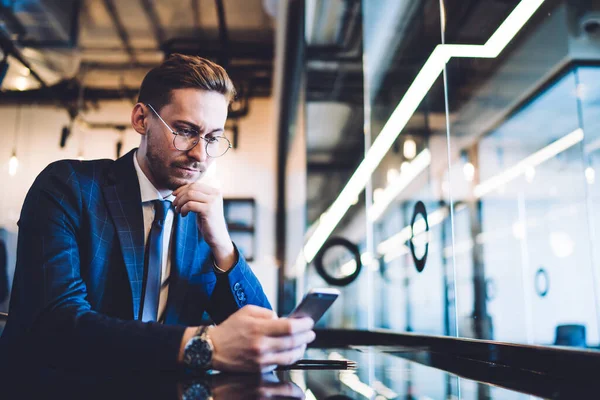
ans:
x=148 y=191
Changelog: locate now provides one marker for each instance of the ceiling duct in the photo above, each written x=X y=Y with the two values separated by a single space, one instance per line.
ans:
x=41 y=23
x=44 y=34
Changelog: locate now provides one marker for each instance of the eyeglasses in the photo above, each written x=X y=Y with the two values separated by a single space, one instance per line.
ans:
x=186 y=139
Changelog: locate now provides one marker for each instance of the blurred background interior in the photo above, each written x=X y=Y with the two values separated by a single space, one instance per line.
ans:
x=433 y=159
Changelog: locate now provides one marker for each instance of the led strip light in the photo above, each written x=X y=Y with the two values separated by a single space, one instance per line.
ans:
x=394 y=188
x=533 y=160
x=417 y=91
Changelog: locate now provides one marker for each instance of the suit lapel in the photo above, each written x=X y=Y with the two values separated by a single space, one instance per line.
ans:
x=122 y=195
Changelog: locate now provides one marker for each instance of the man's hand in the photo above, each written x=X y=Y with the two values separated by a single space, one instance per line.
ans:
x=253 y=339
x=239 y=387
x=248 y=387
x=207 y=202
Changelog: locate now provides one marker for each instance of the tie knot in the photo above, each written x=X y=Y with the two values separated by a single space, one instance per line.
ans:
x=160 y=209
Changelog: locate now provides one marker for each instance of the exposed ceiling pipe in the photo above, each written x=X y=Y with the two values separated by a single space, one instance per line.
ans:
x=11 y=21
x=150 y=11
x=196 y=15
x=350 y=25
x=8 y=47
x=70 y=35
x=238 y=50
x=223 y=34
x=69 y=94
x=245 y=70
x=3 y=68
x=114 y=15
x=288 y=81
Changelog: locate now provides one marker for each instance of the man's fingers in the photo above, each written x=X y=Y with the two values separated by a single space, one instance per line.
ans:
x=258 y=312
x=198 y=208
x=191 y=195
x=287 y=390
x=286 y=343
x=284 y=357
x=287 y=326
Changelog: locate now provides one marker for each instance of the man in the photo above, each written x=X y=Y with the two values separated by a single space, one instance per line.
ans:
x=4 y=285
x=118 y=260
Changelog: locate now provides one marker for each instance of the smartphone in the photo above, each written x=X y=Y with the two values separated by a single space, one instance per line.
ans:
x=315 y=303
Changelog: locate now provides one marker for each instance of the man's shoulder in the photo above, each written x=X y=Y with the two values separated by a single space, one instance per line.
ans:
x=82 y=170
x=67 y=182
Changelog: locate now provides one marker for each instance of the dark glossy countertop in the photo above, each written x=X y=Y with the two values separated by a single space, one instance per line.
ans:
x=390 y=373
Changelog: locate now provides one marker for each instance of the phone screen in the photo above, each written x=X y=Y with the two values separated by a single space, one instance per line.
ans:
x=314 y=305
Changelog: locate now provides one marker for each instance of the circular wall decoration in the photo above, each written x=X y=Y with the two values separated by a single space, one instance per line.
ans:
x=419 y=210
x=542 y=282
x=322 y=271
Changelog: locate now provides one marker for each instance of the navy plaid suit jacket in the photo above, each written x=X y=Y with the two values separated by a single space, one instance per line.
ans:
x=80 y=267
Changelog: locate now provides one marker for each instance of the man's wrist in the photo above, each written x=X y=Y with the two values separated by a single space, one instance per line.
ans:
x=189 y=333
x=198 y=350
x=218 y=269
x=224 y=257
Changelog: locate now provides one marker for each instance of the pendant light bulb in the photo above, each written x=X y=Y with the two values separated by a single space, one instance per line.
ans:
x=13 y=165
x=410 y=149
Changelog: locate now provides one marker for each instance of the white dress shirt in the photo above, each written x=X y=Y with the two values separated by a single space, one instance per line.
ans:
x=150 y=193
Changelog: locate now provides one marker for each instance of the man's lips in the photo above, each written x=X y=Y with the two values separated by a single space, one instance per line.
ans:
x=187 y=169
x=188 y=172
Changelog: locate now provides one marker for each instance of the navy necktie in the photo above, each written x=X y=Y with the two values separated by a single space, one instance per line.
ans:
x=154 y=261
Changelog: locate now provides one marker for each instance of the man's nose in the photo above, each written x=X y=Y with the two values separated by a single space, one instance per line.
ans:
x=198 y=152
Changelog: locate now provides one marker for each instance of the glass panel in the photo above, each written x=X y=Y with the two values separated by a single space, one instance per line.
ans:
x=407 y=283
x=588 y=94
x=523 y=244
x=472 y=390
x=335 y=144
x=410 y=209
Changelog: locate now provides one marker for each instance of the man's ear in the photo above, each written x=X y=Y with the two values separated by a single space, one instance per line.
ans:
x=138 y=118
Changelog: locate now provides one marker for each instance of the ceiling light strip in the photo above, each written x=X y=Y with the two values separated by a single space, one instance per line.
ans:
x=394 y=188
x=511 y=26
x=533 y=160
x=400 y=238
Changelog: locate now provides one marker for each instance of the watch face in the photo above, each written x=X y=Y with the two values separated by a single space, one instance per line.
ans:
x=195 y=391
x=198 y=353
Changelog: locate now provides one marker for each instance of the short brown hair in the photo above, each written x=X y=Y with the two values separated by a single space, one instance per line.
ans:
x=181 y=71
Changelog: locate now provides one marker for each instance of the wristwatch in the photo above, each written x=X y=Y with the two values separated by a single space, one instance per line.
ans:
x=198 y=351
x=196 y=390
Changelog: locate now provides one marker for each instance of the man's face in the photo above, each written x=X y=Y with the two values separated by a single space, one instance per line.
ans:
x=195 y=109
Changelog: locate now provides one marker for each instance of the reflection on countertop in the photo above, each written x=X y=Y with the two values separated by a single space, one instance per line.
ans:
x=382 y=373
